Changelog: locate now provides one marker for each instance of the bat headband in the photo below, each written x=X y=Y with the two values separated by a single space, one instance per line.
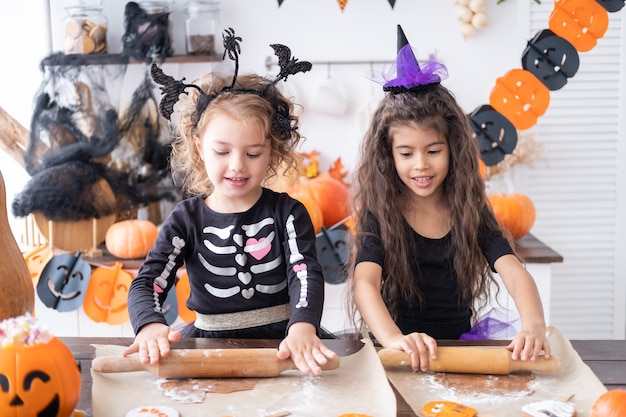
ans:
x=406 y=74
x=281 y=122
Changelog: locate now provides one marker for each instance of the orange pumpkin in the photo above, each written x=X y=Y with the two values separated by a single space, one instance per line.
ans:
x=610 y=404
x=482 y=168
x=315 y=213
x=39 y=379
x=183 y=290
x=331 y=195
x=129 y=239
x=514 y=212
x=285 y=177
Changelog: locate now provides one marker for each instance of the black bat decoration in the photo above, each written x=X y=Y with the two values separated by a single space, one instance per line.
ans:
x=288 y=65
x=171 y=89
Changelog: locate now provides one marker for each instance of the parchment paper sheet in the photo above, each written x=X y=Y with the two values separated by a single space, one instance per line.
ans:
x=359 y=385
x=574 y=378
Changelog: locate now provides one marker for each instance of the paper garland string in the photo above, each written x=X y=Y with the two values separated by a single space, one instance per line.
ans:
x=342 y=3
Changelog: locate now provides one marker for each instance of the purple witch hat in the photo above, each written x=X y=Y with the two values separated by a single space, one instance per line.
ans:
x=407 y=74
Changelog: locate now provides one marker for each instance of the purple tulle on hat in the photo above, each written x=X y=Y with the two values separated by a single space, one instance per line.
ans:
x=492 y=326
x=407 y=73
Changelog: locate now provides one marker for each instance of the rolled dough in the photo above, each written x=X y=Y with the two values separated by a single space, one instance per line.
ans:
x=187 y=391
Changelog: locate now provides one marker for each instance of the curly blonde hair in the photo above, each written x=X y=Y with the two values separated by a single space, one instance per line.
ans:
x=252 y=100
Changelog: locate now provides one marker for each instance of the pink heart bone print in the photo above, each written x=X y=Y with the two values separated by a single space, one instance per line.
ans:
x=258 y=248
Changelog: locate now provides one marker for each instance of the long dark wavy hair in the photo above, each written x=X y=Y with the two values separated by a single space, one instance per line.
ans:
x=379 y=190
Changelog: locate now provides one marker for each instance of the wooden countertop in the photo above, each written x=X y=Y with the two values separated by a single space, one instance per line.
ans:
x=535 y=251
x=606 y=358
x=531 y=249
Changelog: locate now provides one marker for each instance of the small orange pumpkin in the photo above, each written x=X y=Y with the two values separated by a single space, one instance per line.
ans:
x=514 y=212
x=129 y=239
x=331 y=195
x=610 y=404
x=41 y=379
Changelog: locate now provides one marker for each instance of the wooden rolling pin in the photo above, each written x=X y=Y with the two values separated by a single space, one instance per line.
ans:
x=472 y=360
x=206 y=363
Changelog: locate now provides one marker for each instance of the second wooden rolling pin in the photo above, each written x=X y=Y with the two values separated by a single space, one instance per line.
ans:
x=206 y=363
x=471 y=360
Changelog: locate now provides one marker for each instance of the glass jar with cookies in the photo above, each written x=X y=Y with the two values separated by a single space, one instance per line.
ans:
x=85 y=30
x=201 y=27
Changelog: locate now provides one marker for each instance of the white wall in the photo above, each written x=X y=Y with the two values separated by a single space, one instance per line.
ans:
x=315 y=30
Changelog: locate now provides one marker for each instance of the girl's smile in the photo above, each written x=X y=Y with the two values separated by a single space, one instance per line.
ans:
x=421 y=157
x=236 y=155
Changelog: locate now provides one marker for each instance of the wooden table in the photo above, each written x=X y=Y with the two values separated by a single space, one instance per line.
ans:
x=607 y=358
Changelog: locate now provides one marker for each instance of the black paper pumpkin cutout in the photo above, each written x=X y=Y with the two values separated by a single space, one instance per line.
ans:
x=495 y=134
x=63 y=282
x=333 y=252
x=612 y=6
x=551 y=59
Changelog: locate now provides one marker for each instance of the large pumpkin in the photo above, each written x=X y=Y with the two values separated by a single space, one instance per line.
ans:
x=18 y=292
x=315 y=213
x=129 y=239
x=285 y=178
x=40 y=379
x=331 y=195
x=610 y=404
x=514 y=212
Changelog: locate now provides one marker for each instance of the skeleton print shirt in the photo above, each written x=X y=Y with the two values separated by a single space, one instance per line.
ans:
x=235 y=262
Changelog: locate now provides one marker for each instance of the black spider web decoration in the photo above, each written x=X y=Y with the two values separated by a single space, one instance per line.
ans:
x=81 y=139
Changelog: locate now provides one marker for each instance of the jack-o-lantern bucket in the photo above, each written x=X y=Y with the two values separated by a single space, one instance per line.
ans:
x=38 y=374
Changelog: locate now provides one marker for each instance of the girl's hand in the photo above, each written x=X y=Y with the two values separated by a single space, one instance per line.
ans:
x=152 y=342
x=305 y=349
x=528 y=345
x=420 y=346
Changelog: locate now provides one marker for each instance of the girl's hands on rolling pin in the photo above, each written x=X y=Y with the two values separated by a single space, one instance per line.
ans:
x=153 y=342
x=420 y=346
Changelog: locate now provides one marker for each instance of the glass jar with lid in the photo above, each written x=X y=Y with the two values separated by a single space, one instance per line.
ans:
x=85 y=30
x=201 y=27
x=155 y=33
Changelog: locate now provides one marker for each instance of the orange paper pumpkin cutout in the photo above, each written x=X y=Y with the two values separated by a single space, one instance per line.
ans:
x=106 y=299
x=447 y=409
x=36 y=261
x=581 y=22
x=520 y=97
x=183 y=290
x=41 y=379
x=342 y=4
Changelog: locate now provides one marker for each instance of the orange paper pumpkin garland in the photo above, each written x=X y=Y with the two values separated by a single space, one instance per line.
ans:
x=520 y=97
x=581 y=22
x=551 y=57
